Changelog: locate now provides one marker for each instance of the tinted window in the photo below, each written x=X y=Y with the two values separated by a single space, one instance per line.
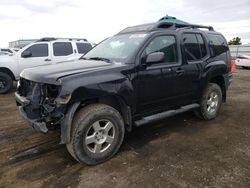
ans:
x=83 y=48
x=38 y=50
x=62 y=48
x=195 y=48
x=192 y=48
x=165 y=44
x=202 y=45
x=217 y=44
x=6 y=50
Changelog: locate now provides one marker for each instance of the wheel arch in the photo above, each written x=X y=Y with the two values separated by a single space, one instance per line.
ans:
x=219 y=80
x=7 y=71
x=115 y=101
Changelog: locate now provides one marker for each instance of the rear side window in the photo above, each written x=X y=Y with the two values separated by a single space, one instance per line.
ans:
x=83 y=48
x=202 y=45
x=62 y=48
x=38 y=50
x=6 y=50
x=194 y=46
x=217 y=44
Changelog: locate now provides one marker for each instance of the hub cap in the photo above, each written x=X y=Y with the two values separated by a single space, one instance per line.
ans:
x=100 y=136
x=212 y=102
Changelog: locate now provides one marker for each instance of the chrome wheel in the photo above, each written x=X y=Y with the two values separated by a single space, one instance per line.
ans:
x=212 y=102
x=100 y=136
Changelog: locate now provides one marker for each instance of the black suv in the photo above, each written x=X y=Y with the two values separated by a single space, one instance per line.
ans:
x=143 y=74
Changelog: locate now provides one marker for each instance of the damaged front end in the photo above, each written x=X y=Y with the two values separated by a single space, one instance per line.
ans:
x=37 y=104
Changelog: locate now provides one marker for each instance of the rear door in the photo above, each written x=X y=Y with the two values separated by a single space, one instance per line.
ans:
x=188 y=75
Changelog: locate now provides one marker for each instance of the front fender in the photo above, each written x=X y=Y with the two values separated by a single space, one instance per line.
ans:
x=66 y=123
x=121 y=86
x=9 y=64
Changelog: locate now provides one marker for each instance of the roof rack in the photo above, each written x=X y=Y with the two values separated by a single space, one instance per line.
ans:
x=164 y=25
x=171 y=25
x=47 y=39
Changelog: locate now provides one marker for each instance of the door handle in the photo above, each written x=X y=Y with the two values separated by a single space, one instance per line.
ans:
x=179 y=71
x=47 y=59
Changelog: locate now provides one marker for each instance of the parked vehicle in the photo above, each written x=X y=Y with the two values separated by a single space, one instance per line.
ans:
x=143 y=74
x=243 y=61
x=8 y=50
x=4 y=53
x=46 y=51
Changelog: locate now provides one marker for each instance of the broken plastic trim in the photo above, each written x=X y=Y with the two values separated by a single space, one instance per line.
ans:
x=39 y=126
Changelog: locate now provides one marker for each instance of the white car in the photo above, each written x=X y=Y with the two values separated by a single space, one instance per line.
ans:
x=243 y=61
x=8 y=50
x=4 y=53
x=46 y=51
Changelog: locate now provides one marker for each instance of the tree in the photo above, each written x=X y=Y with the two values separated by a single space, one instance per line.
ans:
x=235 y=41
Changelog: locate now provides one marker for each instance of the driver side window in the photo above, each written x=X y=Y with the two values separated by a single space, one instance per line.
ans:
x=165 y=44
x=37 y=50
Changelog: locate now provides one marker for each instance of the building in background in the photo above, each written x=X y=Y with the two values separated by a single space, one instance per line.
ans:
x=21 y=43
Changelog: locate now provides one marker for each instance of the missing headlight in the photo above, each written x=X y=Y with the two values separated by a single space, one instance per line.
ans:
x=52 y=91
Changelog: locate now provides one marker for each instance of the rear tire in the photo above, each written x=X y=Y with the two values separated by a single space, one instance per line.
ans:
x=245 y=67
x=210 y=102
x=97 y=134
x=6 y=83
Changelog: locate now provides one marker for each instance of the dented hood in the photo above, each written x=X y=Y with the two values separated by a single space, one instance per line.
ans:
x=51 y=73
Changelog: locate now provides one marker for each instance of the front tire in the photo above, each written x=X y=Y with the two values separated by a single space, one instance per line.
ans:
x=6 y=83
x=210 y=102
x=97 y=134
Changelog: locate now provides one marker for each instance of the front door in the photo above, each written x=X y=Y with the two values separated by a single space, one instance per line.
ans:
x=36 y=55
x=156 y=82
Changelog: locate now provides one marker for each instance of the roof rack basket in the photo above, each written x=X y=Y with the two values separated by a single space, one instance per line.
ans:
x=171 y=25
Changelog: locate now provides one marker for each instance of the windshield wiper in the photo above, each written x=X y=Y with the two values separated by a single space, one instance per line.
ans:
x=100 y=59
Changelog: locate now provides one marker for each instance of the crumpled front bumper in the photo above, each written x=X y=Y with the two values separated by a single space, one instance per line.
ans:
x=36 y=124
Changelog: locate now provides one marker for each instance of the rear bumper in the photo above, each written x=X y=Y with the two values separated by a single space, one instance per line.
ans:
x=242 y=63
x=228 y=78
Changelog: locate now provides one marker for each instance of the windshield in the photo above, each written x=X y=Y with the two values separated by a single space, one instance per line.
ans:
x=117 y=48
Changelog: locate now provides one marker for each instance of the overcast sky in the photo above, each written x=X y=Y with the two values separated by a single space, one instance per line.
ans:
x=96 y=20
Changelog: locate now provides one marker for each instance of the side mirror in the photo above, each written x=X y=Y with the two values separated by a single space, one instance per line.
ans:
x=155 y=57
x=26 y=53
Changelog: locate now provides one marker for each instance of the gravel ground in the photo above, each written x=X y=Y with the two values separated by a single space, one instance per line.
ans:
x=180 y=151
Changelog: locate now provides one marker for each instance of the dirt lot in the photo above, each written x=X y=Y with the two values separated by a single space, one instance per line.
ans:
x=181 y=151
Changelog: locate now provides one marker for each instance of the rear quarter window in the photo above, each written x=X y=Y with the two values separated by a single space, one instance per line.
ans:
x=83 y=48
x=217 y=43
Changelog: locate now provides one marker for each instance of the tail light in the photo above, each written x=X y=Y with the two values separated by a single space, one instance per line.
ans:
x=242 y=57
x=232 y=65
